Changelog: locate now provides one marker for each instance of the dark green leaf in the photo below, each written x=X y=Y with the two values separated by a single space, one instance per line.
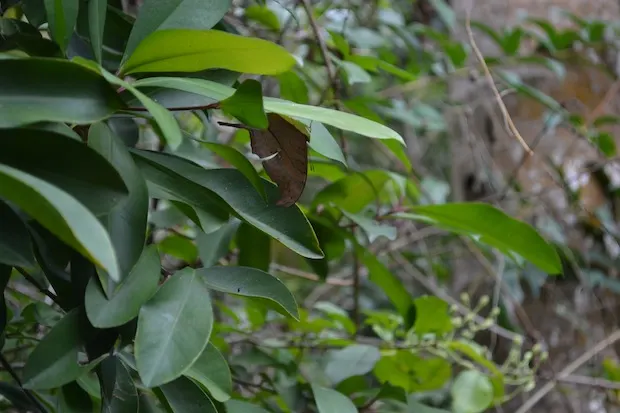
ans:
x=238 y=406
x=472 y=392
x=215 y=245
x=324 y=143
x=415 y=407
x=66 y=163
x=264 y=16
x=171 y=14
x=97 y=10
x=211 y=371
x=353 y=192
x=236 y=159
x=61 y=17
x=431 y=316
x=179 y=247
x=293 y=88
x=127 y=221
x=182 y=50
x=125 y=302
x=19 y=35
x=247 y=105
x=54 y=361
x=173 y=328
x=185 y=396
x=34 y=11
x=493 y=227
x=253 y=283
x=331 y=401
x=5 y=275
x=119 y=392
x=604 y=142
x=72 y=399
x=371 y=227
x=17 y=397
x=254 y=247
x=228 y=186
x=62 y=215
x=391 y=285
x=357 y=359
x=33 y=90
x=413 y=373
x=15 y=246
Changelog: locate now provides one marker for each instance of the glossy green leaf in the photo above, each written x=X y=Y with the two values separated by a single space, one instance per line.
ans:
x=127 y=221
x=173 y=328
x=353 y=192
x=211 y=371
x=263 y=15
x=391 y=285
x=119 y=391
x=175 y=14
x=236 y=159
x=246 y=104
x=62 y=215
x=15 y=246
x=35 y=89
x=185 y=396
x=471 y=392
x=431 y=316
x=182 y=50
x=493 y=227
x=251 y=283
x=371 y=227
x=61 y=17
x=254 y=248
x=293 y=88
x=66 y=163
x=125 y=302
x=331 y=401
x=54 y=361
x=324 y=143
x=179 y=247
x=340 y=120
x=215 y=245
x=228 y=186
x=97 y=10
x=238 y=406
x=357 y=359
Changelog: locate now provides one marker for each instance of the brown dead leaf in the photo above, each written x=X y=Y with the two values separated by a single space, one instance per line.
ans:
x=286 y=150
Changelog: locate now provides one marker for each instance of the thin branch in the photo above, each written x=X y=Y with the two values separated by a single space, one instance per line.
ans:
x=590 y=381
x=7 y=366
x=34 y=282
x=491 y=82
x=567 y=371
x=356 y=293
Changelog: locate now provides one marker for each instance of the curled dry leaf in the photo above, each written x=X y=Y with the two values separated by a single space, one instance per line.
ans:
x=283 y=147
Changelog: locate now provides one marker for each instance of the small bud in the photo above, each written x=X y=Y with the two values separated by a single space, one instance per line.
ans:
x=457 y=321
x=485 y=300
x=465 y=298
x=454 y=308
x=537 y=348
x=495 y=312
x=544 y=356
x=518 y=341
x=527 y=356
x=529 y=386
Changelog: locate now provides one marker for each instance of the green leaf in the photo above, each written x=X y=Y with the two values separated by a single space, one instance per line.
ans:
x=35 y=89
x=354 y=360
x=238 y=406
x=331 y=401
x=15 y=246
x=66 y=163
x=353 y=192
x=125 y=302
x=431 y=316
x=211 y=371
x=493 y=227
x=604 y=142
x=371 y=227
x=263 y=15
x=54 y=361
x=254 y=247
x=236 y=159
x=173 y=328
x=182 y=50
x=175 y=14
x=293 y=88
x=97 y=10
x=121 y=395
x=72 y=399
x=471 y=392
x=287 y=225
x=179 y=247
x=19 y=35
x=413 y=373
x=127 y=222
x=62 y=215
x=477 y=355
x=391 y=285
x=324 y=143
x=340 y=120
x=415 y=407
x=215 y=245
x=185 y=396
x=62 y=16
x=355 y=74
x=252 y=283
x=246 y=104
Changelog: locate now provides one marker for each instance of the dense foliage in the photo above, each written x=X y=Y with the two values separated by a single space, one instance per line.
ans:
x=151 y=188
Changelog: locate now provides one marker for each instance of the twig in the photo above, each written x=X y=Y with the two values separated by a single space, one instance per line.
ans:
x=7 y=366
x=356 y=293
x=491 y=82
x=567 y=371
x=34 y=282
x=591 y=381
